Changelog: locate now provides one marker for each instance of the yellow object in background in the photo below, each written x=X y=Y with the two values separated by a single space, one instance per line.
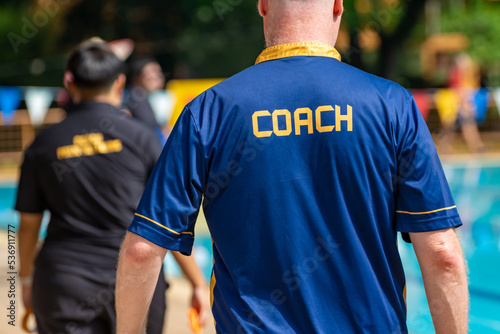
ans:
x=447 y=104
x=185 y=91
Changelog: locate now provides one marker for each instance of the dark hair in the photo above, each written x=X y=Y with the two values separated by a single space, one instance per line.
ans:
x=136 y=65
x=94 y=65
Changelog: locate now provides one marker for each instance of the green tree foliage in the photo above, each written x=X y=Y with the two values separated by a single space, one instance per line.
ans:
x=217 y=38
x=480 y=22
x=197 y=38
x=31 y=53
x=393 y=21
x=222 y=36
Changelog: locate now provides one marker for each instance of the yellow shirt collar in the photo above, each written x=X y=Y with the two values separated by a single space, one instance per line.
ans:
x=298 y=49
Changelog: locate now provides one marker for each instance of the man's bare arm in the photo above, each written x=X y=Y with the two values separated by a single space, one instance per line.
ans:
x=445 y=279
x=138 y=269
x=29 y=228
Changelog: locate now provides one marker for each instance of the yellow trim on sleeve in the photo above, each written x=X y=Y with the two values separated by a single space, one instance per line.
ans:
x=166 y=228
x=426 y=212
x=298 y=49
x=404 y=294
x=212 y=284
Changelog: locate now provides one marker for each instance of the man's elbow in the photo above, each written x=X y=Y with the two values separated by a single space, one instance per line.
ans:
x=439 y=250
x=448 y=257
x=137 y=250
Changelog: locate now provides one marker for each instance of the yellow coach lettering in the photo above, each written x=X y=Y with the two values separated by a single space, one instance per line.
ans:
x=319 y=127
x=255 y=122
x=95 y=138
x=303 y=117
x=339 y=117
x=288 y=118
x=301 y=122
x=88 y=145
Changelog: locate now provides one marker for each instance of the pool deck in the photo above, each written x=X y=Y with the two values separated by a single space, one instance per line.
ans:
x=9 y=174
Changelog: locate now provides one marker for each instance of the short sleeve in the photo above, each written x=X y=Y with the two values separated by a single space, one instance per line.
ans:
x=423 y=197
x=29 y=193
x=169 y=206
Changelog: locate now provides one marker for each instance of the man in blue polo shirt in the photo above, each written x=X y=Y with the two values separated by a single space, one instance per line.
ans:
x=308 y=168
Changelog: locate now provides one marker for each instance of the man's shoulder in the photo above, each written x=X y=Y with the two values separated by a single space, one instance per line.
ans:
x=123 y=126
x=129 y=122
x=327 y=74
x=114 y=124
x=47 y=135
x=340 y=71
x=236 y=87
x=364 y=79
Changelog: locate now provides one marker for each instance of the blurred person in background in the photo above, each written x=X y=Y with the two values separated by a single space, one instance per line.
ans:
x=145 y=76
x=465 y=80
x=89 y=172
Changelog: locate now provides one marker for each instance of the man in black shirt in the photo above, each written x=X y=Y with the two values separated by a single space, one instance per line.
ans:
x=89 y=172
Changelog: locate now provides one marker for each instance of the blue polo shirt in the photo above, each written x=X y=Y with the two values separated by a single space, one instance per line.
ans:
x=308 y=168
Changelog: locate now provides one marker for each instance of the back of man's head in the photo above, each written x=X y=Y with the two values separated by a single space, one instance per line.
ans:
x=291 y=21
x=309 y=3
x=94 y=66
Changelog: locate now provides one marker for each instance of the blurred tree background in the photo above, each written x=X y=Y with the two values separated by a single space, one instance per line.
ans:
x=480 y=22
x=217 y=38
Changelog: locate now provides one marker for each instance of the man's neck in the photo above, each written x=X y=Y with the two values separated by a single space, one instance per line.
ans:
x=278 y=41
x=296 y=32
x=102 y=98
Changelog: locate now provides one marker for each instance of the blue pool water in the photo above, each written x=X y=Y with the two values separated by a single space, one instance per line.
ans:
x=476 y=189
x=7 y=198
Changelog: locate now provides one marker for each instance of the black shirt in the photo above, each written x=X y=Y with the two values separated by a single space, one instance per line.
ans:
x=89 y=171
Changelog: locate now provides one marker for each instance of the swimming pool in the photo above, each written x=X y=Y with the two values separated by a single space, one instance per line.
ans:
x=476 y=189
x=7 y=199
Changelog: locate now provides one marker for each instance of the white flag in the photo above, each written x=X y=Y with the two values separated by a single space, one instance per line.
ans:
x=496 y=95
x=162 y=102
x=38 y=100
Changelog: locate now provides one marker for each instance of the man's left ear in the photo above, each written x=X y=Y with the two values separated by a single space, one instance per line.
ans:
x=262 y=6
x=338 y=8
